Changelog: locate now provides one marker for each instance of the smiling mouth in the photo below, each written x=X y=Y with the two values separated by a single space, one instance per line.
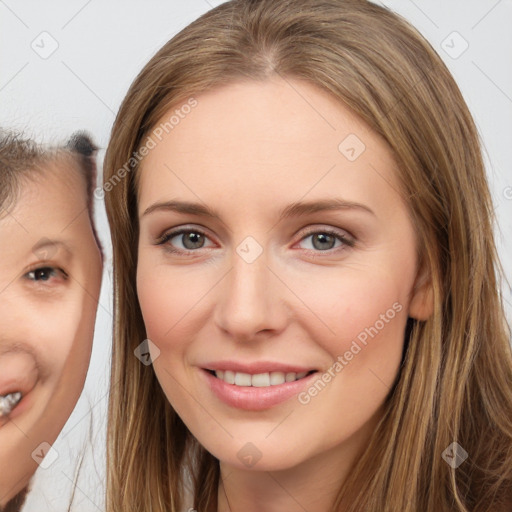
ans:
x=9 y=402
x=258 y=380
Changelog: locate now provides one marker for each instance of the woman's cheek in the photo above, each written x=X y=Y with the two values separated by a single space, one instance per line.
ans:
x=349 y=306
x=164 y=305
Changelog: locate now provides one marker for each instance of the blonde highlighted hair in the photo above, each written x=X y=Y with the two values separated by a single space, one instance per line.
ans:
x=455 y=384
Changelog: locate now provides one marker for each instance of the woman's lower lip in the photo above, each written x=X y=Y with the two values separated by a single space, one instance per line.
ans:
x=252 y=398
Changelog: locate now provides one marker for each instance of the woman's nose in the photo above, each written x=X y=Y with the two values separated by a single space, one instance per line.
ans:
x=251 y=297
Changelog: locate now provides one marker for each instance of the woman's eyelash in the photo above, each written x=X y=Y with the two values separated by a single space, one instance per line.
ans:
x=345 y=240
x=172 y=234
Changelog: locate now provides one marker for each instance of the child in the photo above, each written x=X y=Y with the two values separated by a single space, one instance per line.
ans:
x=50 y=275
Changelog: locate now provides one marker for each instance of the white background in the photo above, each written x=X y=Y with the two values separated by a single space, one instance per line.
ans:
x=102 y=45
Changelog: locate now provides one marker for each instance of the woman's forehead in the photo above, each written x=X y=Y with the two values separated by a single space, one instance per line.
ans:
x=257 y=140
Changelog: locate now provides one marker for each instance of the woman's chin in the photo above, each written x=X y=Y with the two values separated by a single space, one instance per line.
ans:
x=251 y=457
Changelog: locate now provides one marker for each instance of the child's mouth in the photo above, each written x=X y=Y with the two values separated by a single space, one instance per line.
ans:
x=9 y=402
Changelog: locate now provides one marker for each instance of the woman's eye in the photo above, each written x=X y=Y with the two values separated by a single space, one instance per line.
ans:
x=183 y=240
x=45 y=274
x=326 y=240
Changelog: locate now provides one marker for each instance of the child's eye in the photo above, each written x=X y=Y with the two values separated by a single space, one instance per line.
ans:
x=45 y=274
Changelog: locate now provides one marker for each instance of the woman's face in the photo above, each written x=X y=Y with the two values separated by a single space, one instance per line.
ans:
x=275 y=251
x=50 y=275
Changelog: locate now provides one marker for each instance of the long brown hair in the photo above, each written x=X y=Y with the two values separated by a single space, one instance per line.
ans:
x=455 y=384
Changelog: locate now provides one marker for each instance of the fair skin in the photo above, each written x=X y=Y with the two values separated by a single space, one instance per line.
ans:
x=48 y=298
x=248 y=150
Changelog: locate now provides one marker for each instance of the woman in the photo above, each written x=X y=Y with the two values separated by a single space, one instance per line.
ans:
x=375 y=374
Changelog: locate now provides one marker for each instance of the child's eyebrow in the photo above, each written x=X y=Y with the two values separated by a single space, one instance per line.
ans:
x=292 y=210
x=46 y=247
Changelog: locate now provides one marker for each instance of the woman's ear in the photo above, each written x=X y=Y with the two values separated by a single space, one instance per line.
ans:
x=421 y=305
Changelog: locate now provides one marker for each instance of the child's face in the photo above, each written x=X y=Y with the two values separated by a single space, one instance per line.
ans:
x=255 y=294
x=50 y=275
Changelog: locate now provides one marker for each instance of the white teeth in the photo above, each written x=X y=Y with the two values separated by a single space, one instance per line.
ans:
x=242 y=379
x=9 y=402
x=259 y=380
x=277 y=378
x=229 y=377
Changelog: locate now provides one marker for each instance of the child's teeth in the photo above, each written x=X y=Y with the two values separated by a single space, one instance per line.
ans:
x=8 y=402
x=259 y=380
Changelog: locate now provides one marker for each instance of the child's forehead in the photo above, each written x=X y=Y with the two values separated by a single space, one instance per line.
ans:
x=50 y=189
x=51 y=201
x=60 y=171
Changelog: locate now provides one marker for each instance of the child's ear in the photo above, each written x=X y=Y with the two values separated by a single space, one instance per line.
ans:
x=81 y=142
x=82 y=145
x=84 y=150
x=421 y=305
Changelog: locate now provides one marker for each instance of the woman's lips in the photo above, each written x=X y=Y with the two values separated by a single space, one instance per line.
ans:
x=256 y=398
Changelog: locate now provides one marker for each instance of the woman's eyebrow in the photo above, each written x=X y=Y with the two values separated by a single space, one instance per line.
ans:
x=307 y=207
x=292 y=210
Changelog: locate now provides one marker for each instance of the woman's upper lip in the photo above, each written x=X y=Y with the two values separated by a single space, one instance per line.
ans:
x=256 y=367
